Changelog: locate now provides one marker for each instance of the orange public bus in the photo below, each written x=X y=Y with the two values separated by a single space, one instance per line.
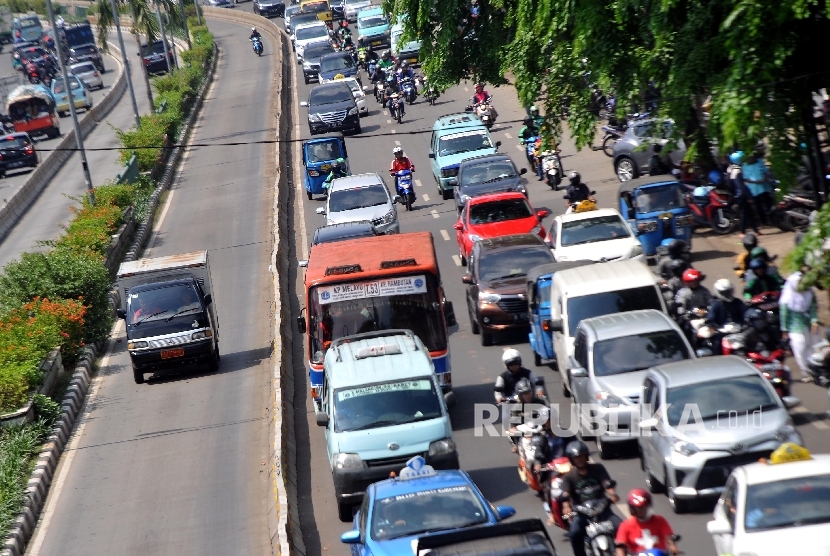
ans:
x=375 y=283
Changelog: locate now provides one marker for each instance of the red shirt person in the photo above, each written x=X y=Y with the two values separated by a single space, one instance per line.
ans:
x=400 y=162
x=643 y=530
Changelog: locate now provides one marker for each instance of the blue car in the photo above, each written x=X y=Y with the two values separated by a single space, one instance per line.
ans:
x=395 y=512
x=657 y=210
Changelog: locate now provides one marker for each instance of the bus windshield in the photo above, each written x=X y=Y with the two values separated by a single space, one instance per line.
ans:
x=419 y=311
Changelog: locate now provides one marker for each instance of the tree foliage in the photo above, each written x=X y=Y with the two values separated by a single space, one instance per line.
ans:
x=752 y=65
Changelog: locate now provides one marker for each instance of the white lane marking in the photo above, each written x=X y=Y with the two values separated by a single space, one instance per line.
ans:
x=445 y=235
x=418 y=183
x=398 y=143
x=466 y=88
x=520 y=148
x=508 y=135
x=434 y=213
x=426 y=197
x=71 y=449
x=157 y=226
x=457 y=260
x=813 y=419
x=392 y=130
x=388 y=121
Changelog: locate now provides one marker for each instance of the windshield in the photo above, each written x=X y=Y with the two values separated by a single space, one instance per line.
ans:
x=313 y=32
x=638 y=352
x=419 y=311
x=59 y=86
x=87 y=49
x=429 y=510
x=743 y=394
x=385 y=404
x=487 y=173
x=350 y=2
x=323 y=151
x=291 y=10
x=336 y=63
x=788 y=503
x=84 y=68
x=499 y=211
x=330 y=95
x=605 y=303
x=592 y=230
x=12 y=142
x=30 y=22
x=32 y=54
x=317 y=52
x=169 y=306
x=464 y=142
x=357 y=198
x=512 y=263
x=653 y=199
x=373 y=21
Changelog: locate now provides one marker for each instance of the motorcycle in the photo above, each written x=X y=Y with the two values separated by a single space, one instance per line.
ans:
x=526 y=438
x=599 y=535
x=710 y=338
x=361 y=59
x=818 y=368
x=403 y=185
x=710 y=208
x=795 y=209
x=430 y=91
x=612 y=134
x=484 y=111
x=371 y=65
x=379 y=92
x=396 y=108
x=410 y=92
x=557 y=468
x=552 y=168
x=691 y=321
x=256 y=43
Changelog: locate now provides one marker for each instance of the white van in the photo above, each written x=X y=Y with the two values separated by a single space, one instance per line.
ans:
x=595 y=290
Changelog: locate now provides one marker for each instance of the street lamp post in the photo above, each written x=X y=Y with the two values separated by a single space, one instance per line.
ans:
x=198 y=11
x=79 y=141
x=184 y=25
x=126 y=63
x=164 y=40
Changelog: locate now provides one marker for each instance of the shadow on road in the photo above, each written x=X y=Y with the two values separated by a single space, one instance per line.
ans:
x=502 y=482
x=230 y=363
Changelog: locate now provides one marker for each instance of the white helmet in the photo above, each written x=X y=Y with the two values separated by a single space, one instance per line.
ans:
x=397 y=150
x=253 y=29
x=724 y=289
x=511 y=356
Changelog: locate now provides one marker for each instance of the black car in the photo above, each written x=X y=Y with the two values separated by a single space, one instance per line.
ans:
x=331 y=107
x=311 y=60
x=482 y=175
x=338 y=9
x=153 y=55
x=17 y=150
x=87 y=53
x=343 y=232
x=269 y=8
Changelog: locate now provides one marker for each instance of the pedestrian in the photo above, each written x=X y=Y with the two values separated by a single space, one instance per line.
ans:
x=740 y=194
x=756 y=177
x=799 y=320
x=656 y=166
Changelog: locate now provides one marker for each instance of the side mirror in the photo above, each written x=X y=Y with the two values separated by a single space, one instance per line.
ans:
x=303 y=263
x=431 y=155
x=703 y=352
x=350 y=537
x=121 y=313
x=208 y=299
x=719 y=527
x=452 y=181
x=322 y=418
x=467 y=279
x=458 y=226
x=303 y=103
x=498 y=144
x=556 y=325
x=523 y=171
x=578 y=372
x=301 y=324
x=593 y=192
x=397 y=199
x=790 y=402
x=648 y=423
x=503 y=512
x=449 y=399
x=449 y=313
x=541 y=213
x=321 y=211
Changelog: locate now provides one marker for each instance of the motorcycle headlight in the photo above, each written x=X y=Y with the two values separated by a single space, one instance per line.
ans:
x=441 y=447
x=486 y=298
x=474 y=237
x=353 y=111
x=607 y=399
x=636 y=251
x=386 y=33
x=705 y=332
x=314 y=118
x=137 y=345
x=346 y=461
x=202 y=334
x=787 y=433
x=684 y=447
x=389 y=217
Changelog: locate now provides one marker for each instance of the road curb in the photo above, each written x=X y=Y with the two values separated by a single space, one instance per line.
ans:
x=283 y=517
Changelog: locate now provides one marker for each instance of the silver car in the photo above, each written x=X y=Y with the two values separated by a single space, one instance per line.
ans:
x=354 y=6
x=88 y=73
x=612 y=354
x=219 y=3
x=711 y=415
x=634 y=149
x=362 y=197
x=289 y=11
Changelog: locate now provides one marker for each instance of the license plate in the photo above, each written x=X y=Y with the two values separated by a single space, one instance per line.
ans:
x=15 y=164
x=413 y=60
x=520 y=316
x=770 y=367
x=375 y=43
x=172 y=353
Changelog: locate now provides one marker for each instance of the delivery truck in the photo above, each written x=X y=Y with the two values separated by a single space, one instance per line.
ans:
x=172 y=322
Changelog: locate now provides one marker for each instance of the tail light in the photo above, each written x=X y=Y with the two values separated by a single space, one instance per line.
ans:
x=95 y=73
x=30 y=150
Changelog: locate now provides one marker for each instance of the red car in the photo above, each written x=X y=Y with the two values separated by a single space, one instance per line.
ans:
x=496 y=215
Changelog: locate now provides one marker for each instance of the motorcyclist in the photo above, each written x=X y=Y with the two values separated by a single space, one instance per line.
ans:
x=18 y=38
x=528 y=131
x=725 y=307
x=481 y=96
x=643 y=530
x=750 y=242
x=391 y=89
x=693 y=295
x=525 y=404
x=584 y=482
x=400 y=162
x=577 y=191
x=255 y=34
x=386 y=60
x=338 y=170
x=506 y=382
x=759 y=335
x=538 y=120
x=405 y=71
x=761 y=281
x=676 y=269
x=761 y=253
x=677 y=250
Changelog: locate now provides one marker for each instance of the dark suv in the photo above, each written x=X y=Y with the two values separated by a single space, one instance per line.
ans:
x=17 y=150
x=482 y=175
x=269 y=8
x=153 y=55
x=87 y=53
x=331 y=107
x=496 y=289
x=311 y=60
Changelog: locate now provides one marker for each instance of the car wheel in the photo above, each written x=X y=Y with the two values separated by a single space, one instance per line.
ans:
x=214 y=360
x=446 y=194
x=652 y=484
x=310 y=196
x=605 y=450
x=626 y=169
x=486 y=338
x=306 y=80
x=138 y=376
x=679 y=506
x=358 y=128
x=473 y=321
x=345 y=512
x=565 y=391
x=537 y=359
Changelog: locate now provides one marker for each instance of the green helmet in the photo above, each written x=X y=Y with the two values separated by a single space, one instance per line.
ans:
x=759 y=253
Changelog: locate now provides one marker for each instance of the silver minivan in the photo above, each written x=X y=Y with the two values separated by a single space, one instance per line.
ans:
x=611 y=356
x=362 y=197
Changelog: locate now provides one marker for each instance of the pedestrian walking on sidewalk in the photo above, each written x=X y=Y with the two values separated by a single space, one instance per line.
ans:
x=799 y=320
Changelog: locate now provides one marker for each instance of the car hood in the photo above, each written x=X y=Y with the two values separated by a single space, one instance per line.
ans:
x=356 y=215
x=608 y=250
x=456 y=159
x=625 y=385
x=411 y=438
x=332 y=107
x=780 y=541
x=722 y=435
x=500 y=186
x=507 y=286
x=509 y=227
x=373 y=31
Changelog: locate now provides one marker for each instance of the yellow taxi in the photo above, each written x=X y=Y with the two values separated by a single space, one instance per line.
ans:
x=775 y=506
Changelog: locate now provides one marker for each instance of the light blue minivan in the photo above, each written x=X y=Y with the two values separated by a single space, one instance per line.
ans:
x=381 y=405
x=455 y=138
x=374 y=27
x=408 y=51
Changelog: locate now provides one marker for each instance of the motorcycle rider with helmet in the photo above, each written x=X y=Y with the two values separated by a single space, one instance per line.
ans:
x=391 y=89
x=693 y=295
x=386 y=60
x=528 y=131
x=725 y=307
x=577 y=191
x=584 y=482
x=761 y=253
x=255 y=34
x=750 y=242
x=483 y=97
x=675 y=283
x=507 y=381
x=759 y=335
x=337 y=171
x=526 y=402
x=538 y=120
x=761 y=280
x=644 y=529
x=400 y=162
x=677 y=250
x=405 y=71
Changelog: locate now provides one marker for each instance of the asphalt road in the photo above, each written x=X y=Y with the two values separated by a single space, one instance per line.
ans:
x=50 y=211
x=488 y=460
x=178 y=466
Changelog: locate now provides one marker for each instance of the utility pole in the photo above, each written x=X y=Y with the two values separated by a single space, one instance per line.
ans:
x=164 y=40
x=172 y=42
x=198 y=11
x=126 y=63
x=79 y=141
x=184 y=25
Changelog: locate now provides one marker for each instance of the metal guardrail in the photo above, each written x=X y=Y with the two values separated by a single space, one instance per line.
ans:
x=130 y=173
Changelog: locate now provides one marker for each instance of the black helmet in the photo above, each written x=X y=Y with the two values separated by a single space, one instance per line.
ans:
x=575 y=449
x=676 y=248
x=750 y=241
x=405 y=65
x=677 y=267
x=575 y=178
x=523 y=386
x=335 y=165
x=527 y=120
x=754 y=314
x=755 y=264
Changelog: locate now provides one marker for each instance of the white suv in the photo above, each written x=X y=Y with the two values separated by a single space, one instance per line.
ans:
x=309 y=33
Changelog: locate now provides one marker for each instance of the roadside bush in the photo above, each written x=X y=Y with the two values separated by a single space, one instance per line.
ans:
x=18 y=447
x=92 y=228
x=118 y=194
x=145 y=140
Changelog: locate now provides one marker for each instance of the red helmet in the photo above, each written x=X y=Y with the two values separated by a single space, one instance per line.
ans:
x=691 y=275
x=639 y=498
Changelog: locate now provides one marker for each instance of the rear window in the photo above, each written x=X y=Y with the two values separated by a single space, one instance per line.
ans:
x=336 y=63
x=85 y=68
x=503 y=265
x=605 y=303
x=317 y=52
x=59 y=87
x=594 y=230
x=84 y=50
x=488 y=173
x=358 y=198
x=635 y=353
x=12 y=142
x=314 y=32
x=291 y=10
x=499 y=211
x=466 y=141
